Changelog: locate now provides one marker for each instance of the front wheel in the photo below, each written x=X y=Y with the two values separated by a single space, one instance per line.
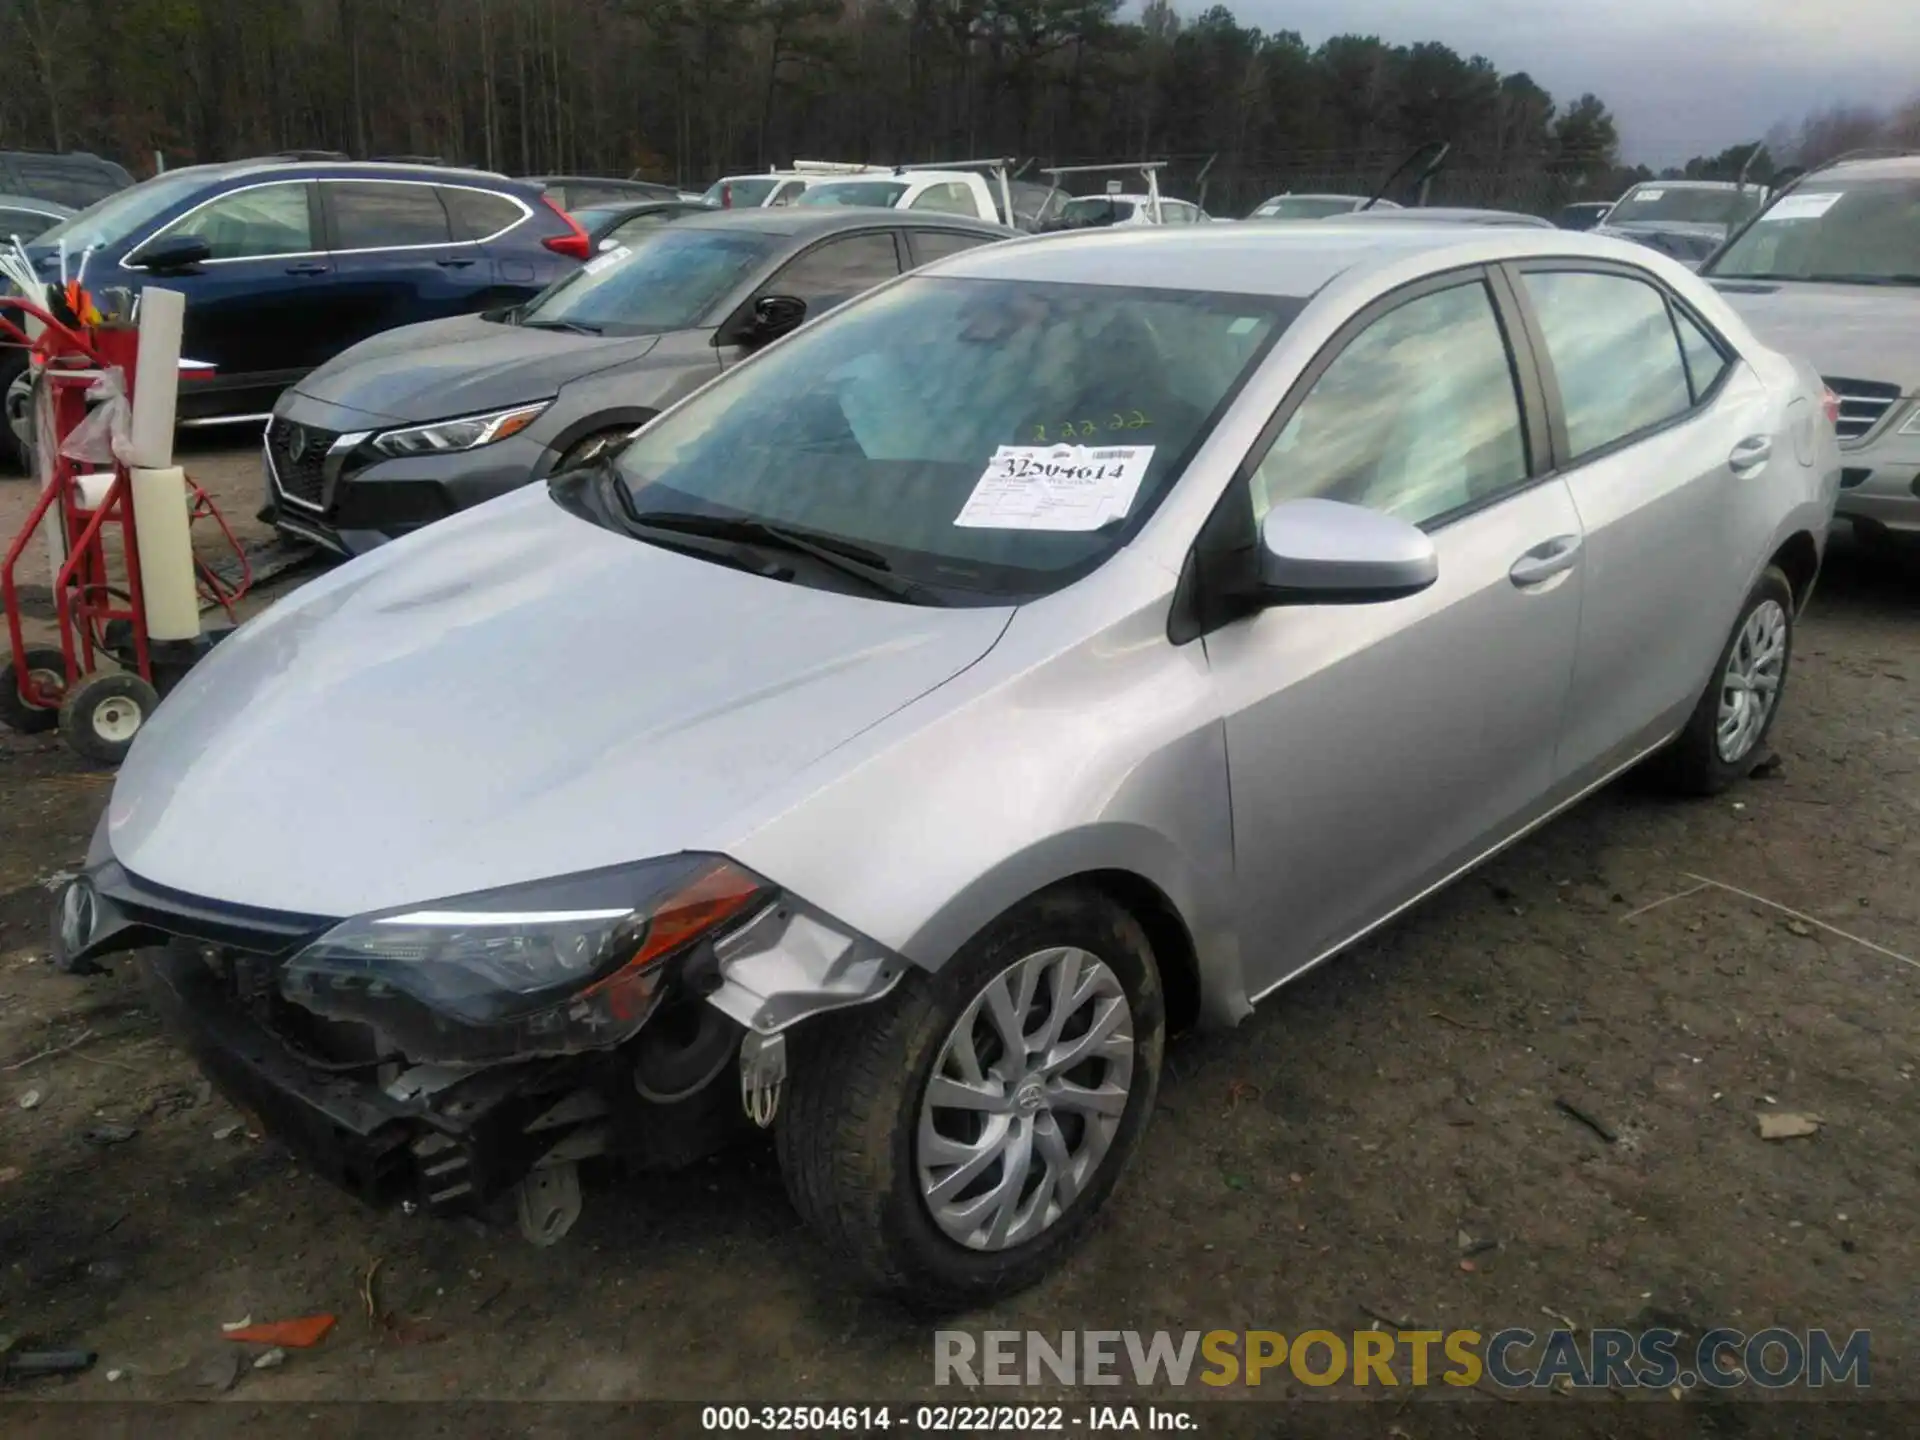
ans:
x=1726 y=735
x=954 y=1141
x=16 y=425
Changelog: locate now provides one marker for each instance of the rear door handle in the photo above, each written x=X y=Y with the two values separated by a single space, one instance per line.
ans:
x=1546 y=560
x=308 y=269
x=1750 y=454
x=453 y=264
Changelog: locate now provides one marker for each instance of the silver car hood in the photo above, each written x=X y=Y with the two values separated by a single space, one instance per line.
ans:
x=510 y=694
x=1858 y=332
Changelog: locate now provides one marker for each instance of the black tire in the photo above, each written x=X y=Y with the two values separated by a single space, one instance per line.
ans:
x=1693 y=764
x=101 y=716
x=15 y=458
x=48 y=666
x=847 y=1133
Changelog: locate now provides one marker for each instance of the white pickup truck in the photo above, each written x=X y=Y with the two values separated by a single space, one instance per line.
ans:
x=945 y=192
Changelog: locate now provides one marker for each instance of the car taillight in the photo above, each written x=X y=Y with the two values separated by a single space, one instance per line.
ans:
x=576 y=244
x=726 y=197
x=1830 y=403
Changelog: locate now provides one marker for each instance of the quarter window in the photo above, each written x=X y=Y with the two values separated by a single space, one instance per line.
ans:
x=248 y=224
x=1614 y=354
x=830 y=274
x=1419 y=416
x=932 y=245
x=479 y=214
x=1706 y=361
x=376 y=216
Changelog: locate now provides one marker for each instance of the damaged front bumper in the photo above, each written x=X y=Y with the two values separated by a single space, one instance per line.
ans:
x=454 y=1139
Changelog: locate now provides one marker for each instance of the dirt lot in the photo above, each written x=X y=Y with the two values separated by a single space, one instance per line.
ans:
x=1327 y=1162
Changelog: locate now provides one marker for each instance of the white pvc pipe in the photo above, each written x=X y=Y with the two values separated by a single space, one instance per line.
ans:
x=156 y=381
x=160 y=529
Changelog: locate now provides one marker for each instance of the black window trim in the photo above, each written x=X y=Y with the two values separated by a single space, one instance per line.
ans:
x=1226 y=539
x=1564 y=461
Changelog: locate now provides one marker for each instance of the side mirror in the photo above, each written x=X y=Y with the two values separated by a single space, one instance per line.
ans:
x=774 y=316
x=171 y=252
x=1326 y=552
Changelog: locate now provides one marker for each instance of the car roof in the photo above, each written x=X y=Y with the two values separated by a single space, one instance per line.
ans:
x=1309 y=195
x=1440 y=215
x=1884 y=167
x=1696 y=185
x=30 y=202
x=1292 y=259
x=344 y=170
x=813 y=220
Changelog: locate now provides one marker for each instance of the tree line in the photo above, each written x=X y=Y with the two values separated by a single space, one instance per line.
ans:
x=684 y=90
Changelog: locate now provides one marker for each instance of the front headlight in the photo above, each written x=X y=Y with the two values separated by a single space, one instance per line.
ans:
x=470 y=432
x=549 y=968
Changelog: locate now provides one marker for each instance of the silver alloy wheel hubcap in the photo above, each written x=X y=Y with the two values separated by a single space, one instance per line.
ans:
x=1025 y=1098
x=19 y=404
x=1752 y=682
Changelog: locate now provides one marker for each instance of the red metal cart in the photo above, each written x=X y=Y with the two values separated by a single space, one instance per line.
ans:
x=98 y=606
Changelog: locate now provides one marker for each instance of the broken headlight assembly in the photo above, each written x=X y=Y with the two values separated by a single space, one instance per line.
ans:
x=548 y=968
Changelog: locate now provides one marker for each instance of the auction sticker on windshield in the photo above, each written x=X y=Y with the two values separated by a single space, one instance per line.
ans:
x=1803 y=207
x=1056 y=487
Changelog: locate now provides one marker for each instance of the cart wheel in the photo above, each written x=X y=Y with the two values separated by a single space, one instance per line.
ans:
x=48 y=667
x=101 y=715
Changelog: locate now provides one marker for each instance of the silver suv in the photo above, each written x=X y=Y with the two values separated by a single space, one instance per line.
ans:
x=1831 y=270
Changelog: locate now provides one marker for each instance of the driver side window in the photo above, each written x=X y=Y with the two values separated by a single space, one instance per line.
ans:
x=247 y=224
x=1419 y=416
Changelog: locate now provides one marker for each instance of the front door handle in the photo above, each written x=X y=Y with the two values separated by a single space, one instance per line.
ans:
x=1750 y=454
x=1546 y=560
x=307 y=269
x=453 y=264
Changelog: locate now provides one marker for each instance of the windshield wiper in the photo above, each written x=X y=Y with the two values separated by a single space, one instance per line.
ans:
x=842 y=556
x=572 y=327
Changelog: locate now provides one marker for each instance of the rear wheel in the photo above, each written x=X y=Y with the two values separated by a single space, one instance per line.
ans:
x=954 y=1141
x=1726 y=736
x=48 y=667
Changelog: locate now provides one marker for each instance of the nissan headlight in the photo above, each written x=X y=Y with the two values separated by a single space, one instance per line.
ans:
x=548 y=968
x=448 y=437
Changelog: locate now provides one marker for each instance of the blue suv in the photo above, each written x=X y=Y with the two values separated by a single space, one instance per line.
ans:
x=285 y=264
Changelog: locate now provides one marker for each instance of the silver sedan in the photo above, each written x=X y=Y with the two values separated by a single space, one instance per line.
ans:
x=1071 y=642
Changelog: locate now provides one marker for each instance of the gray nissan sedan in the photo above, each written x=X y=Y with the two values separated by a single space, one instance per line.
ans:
x=412 y=425
x=1072 y=642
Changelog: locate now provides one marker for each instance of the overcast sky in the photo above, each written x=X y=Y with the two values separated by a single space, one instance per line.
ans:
x=1683 y=77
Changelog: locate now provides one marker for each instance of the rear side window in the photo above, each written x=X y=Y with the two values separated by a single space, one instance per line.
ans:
x=1706 y=361
x=838 y=270
x=1614 y=354
x=950 y=197
x=376 y=215
x=479 y=214
x=932 y=245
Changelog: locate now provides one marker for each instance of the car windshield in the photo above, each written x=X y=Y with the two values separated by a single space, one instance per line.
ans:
x=1096 y=209
x=882 y=193
x=121 y=216
x=926 y=424
x=1304 y=207
x=669 y=281
x=1863 y=231
x=1688 y=206
x=746 y=194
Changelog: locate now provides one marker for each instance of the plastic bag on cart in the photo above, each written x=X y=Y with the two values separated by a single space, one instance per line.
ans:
x=101 y=438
